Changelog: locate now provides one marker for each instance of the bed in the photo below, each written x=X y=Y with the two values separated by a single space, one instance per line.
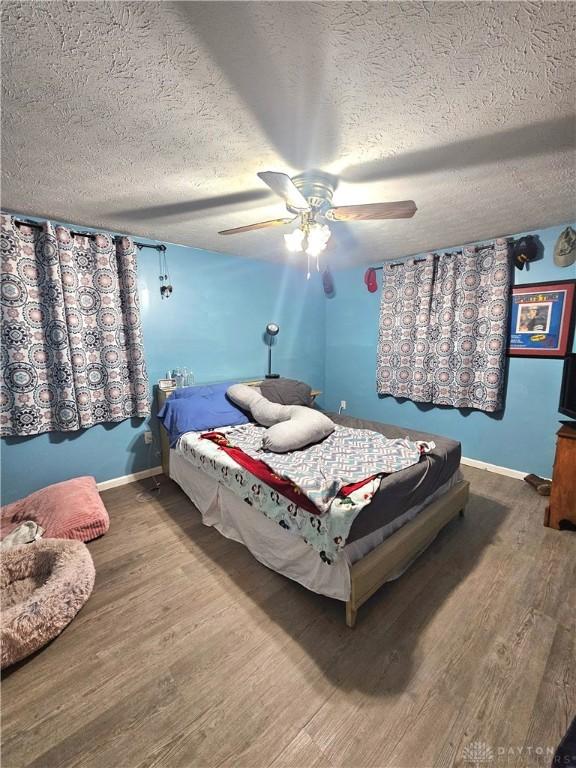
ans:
x=405 y=512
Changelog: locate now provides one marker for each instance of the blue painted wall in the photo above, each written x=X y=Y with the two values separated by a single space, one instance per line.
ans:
x=522 y=437
x=212 y=324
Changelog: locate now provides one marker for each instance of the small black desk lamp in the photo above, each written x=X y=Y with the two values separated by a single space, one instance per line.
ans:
x=271 y=331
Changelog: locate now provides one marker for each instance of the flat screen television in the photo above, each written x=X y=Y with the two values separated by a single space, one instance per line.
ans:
x=568 y=392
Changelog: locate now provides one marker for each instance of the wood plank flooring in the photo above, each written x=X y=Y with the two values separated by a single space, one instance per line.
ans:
x=191 y=654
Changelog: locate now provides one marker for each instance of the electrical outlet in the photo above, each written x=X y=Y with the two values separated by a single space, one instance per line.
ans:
x=147 y=438
x=342 y=405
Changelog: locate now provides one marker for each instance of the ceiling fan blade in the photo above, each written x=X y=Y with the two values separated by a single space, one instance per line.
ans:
x=258 y=225
x=283 y=185
x=401 y=209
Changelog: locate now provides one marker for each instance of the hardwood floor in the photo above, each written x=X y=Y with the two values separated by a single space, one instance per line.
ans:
x=190 y=653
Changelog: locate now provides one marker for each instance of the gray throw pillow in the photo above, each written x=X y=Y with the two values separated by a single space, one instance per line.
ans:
x=287 y=391
x=304 y=427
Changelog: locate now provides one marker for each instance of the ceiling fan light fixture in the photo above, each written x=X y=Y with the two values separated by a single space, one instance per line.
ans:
x=315 y=250
x=318 y=237
x=308 y=197
x=294 y=240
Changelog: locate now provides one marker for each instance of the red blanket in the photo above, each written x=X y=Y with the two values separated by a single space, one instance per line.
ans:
x=263 y=472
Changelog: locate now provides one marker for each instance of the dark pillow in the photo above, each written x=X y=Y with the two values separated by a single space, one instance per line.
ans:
x=286 y=391
x=197 y=409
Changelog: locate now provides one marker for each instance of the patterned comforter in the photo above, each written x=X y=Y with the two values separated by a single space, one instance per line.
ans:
x=346 y=456
x=328 y=531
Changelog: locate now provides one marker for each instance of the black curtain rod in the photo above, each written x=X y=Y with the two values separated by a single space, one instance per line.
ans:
x=399 y=264
x=511 y=241
x=160 y=247
x=91 y=235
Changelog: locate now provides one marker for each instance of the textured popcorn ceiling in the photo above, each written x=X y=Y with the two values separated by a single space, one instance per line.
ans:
x=153 y=118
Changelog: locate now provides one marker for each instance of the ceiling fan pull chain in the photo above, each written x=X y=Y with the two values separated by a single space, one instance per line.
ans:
x=308 y=275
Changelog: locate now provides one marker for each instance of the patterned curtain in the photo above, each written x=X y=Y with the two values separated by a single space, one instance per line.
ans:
x=444 y=328
x=72 y=353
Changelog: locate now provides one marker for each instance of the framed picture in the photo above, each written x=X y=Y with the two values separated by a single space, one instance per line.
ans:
x=542 y=319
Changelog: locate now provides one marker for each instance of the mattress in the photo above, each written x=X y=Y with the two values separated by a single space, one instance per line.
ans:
x=378 y=503
x=326 y=533
x=271 y=544
x=402 y=491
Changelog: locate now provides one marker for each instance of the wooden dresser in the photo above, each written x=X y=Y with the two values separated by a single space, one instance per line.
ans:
x=563 y=493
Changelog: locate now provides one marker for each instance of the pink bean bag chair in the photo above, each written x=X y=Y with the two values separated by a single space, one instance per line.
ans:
x=42 y=586
x=69 y=510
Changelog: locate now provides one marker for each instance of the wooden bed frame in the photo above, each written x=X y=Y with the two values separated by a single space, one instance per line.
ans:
x=396 y=553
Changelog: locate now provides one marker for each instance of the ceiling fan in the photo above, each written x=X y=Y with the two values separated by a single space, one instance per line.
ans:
x=308 y=197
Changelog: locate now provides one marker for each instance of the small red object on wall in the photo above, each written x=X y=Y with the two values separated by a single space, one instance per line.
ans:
x=370 y=280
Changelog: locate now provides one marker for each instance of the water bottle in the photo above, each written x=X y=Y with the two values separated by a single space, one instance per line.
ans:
x=178 y=378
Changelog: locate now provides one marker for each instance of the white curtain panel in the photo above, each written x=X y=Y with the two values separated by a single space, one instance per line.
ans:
x=444 y=328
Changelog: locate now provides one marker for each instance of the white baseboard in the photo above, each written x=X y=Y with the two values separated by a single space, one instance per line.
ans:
x=125 y=479
x=493 y=468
